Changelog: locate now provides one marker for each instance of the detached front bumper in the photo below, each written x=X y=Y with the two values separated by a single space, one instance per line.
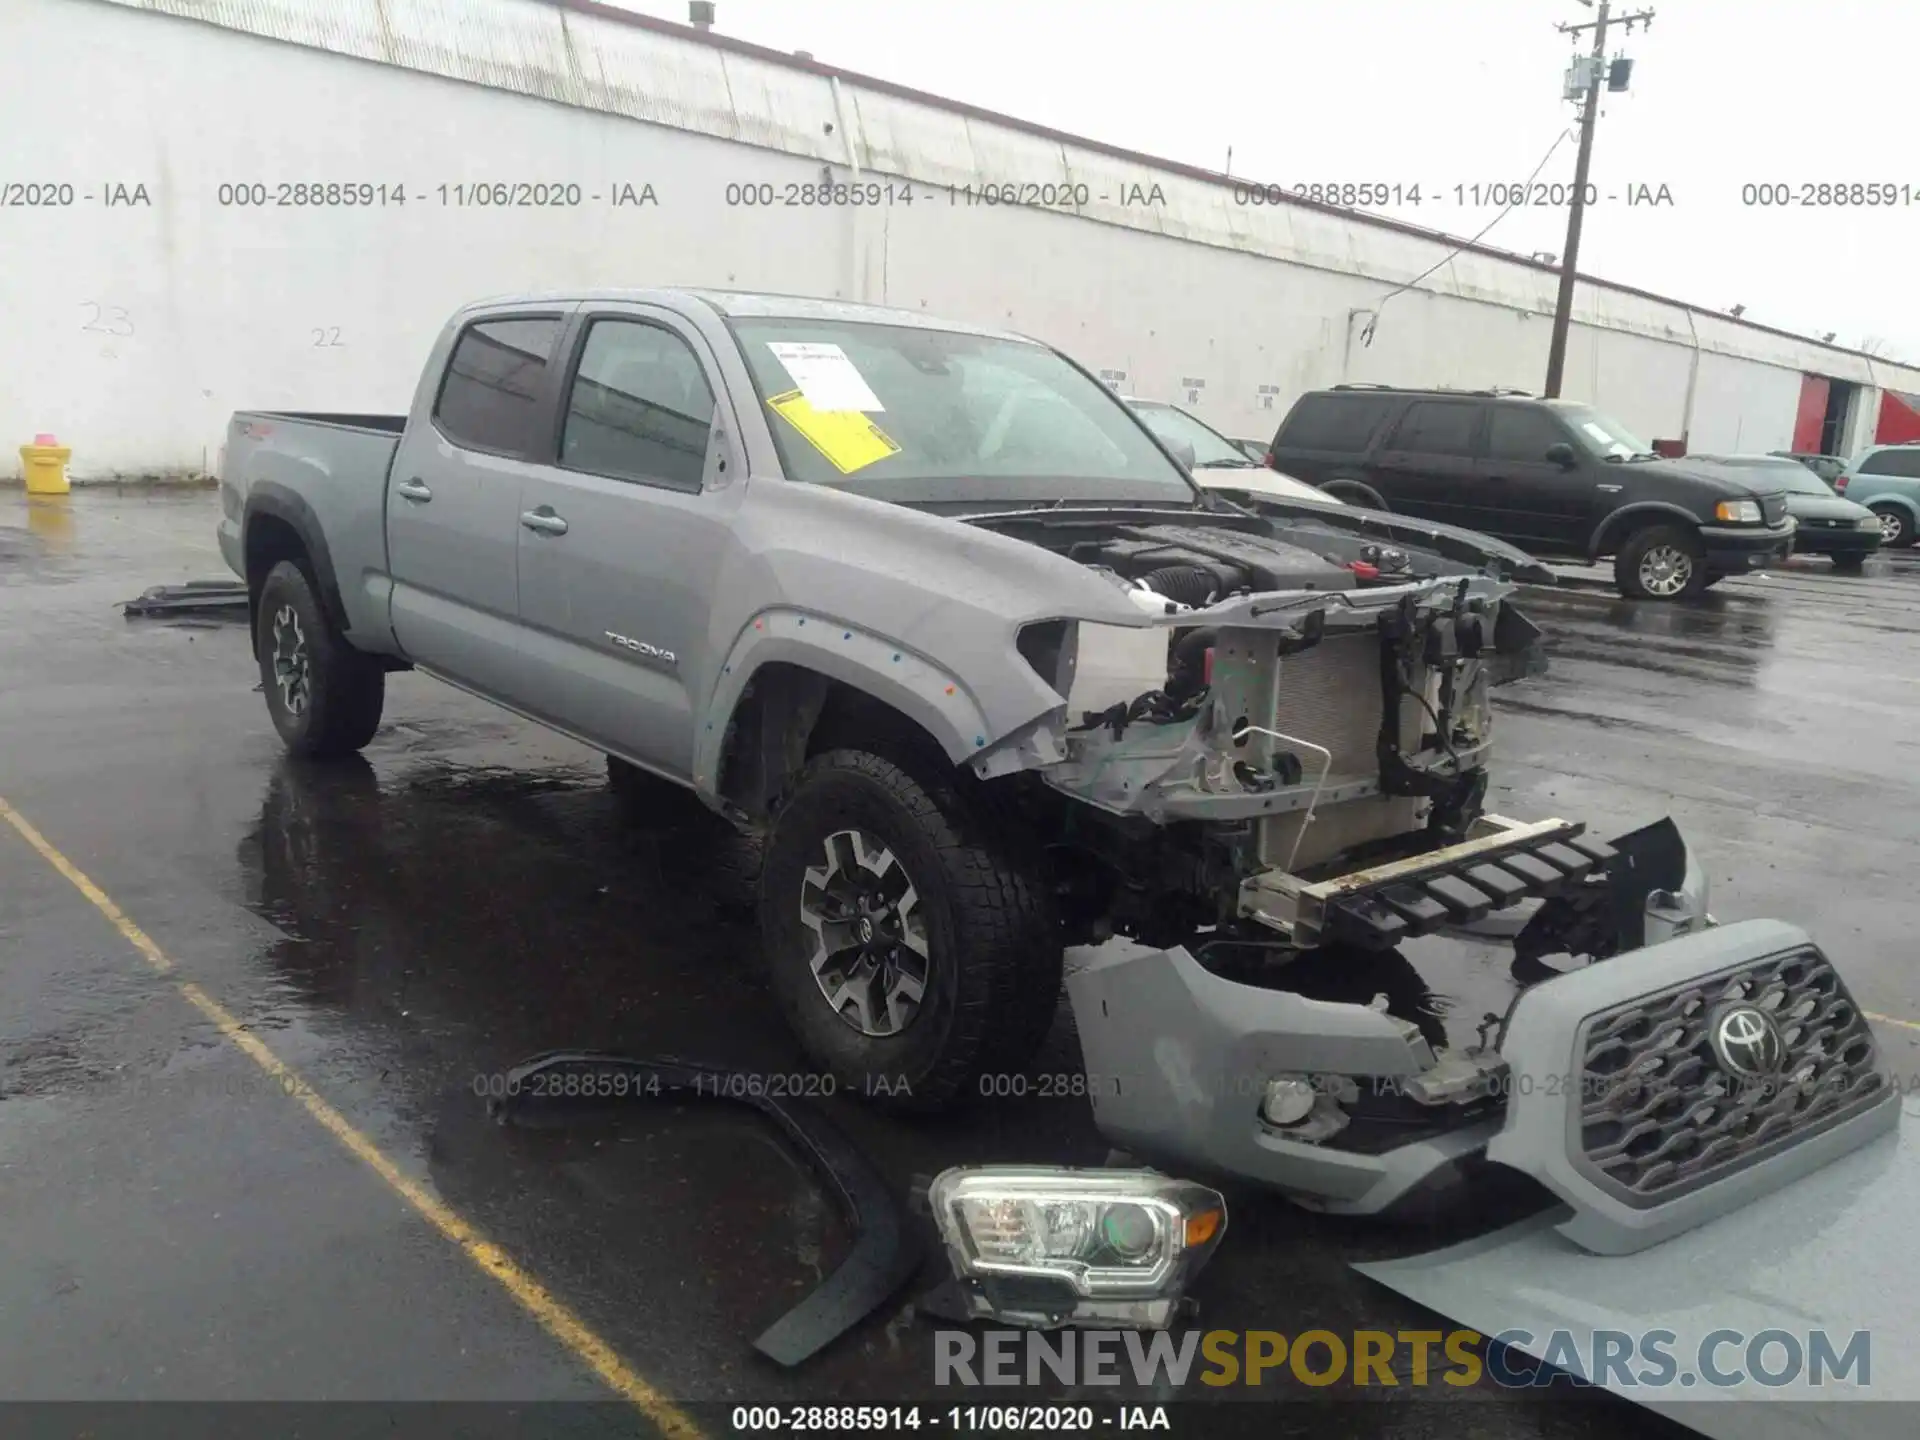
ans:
x=1179 y=1060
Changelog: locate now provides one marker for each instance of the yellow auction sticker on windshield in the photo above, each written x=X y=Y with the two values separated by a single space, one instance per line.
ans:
x=848 y=439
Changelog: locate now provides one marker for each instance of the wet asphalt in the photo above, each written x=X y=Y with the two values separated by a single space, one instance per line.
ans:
x=400 y=929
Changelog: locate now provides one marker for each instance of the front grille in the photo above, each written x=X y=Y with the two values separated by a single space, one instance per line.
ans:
x=1660 y=1116
x=1773 y=508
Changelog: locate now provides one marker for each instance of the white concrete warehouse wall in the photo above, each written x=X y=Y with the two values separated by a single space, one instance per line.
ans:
x=132 y=332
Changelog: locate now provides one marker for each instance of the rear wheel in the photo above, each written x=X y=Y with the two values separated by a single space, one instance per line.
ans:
x=324 y=696
x=1661 y=562
x=908 y=943
x=1896 y=526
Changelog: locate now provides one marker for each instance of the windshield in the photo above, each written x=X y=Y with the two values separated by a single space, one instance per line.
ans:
x=1605 y=436
x=1210 y=447
x=911 y=415
x=1768 y=474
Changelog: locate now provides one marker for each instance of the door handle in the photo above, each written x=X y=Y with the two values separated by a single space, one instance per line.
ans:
x=414 y=490
x=543 y=520
x=1498 y=479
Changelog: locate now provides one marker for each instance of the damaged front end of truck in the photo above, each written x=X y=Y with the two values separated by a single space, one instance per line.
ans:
x=1287 y=757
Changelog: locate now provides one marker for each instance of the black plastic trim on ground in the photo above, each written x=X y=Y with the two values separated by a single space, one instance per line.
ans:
x=885 y=1254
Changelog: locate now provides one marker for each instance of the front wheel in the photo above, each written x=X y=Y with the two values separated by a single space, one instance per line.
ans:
x=1849 y=564
x=323 y=696
x=908 y=943
x=1661 y=562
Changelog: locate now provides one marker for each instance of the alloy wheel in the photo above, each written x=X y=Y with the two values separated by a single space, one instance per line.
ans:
x=1665 y=570
x=870 y=952
x=292 y=671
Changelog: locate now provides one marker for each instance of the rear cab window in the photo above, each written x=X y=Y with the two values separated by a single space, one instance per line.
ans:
x=1334 y=422
x=490 y=395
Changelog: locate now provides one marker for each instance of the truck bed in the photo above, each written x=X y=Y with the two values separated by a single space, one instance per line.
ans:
x=327 y=470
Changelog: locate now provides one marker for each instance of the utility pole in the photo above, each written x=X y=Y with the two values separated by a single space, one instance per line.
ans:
x=1577 y=209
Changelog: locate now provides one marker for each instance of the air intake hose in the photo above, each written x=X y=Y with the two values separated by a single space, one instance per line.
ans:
x=1188 y=584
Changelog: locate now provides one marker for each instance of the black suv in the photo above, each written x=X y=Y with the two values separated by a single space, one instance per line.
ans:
x=1556 y=478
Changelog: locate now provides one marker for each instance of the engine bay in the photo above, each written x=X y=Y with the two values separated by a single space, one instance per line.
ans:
x=1279 y=714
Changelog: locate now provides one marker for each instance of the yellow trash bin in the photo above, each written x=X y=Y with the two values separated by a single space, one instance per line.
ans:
x=46 y=466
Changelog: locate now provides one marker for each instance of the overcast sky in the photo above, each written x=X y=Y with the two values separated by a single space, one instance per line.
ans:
x=1725 y=93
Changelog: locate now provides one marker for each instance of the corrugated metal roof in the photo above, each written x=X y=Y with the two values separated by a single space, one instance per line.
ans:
x=590 y=55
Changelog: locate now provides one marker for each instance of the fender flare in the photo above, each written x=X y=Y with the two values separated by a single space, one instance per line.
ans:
x=1621 y=518
x=266 y=497
x=930 y=695
x=886 y=1251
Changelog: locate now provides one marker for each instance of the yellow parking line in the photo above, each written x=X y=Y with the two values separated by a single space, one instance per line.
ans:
x=1892 y=1020
x=554 y=1317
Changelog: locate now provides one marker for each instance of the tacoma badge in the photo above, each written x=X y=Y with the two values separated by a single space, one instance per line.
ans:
x=641 y=647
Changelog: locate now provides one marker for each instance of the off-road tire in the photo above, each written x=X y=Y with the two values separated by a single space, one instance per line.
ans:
x=1673 y=541
x=993 y=977
x=1353 y=492
x=1901 y=534
x=334 y=706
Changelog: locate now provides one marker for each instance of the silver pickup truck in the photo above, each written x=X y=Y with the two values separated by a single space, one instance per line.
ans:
x=932 y=612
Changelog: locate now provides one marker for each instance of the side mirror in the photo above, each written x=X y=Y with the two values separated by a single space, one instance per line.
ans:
x=1183 y=452
x=1561 y=454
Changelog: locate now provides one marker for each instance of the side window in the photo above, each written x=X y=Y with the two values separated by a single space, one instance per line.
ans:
x=639 y=407
x=1893 y=462
x=1437 y=427
x=490 y=395
x=1340 y=423
x=1515 y=432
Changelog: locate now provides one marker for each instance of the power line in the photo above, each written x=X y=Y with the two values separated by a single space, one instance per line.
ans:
x=1366 y=335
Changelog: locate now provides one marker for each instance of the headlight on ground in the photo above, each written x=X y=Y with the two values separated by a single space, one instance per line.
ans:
x=1738 y=512
x=1036 y=1245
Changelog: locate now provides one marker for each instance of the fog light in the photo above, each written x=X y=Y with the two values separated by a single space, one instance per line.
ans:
x=1288 y=1100
x=1044 y=1246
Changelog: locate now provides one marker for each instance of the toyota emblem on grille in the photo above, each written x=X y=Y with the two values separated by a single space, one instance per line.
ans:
x=1746 y=1042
